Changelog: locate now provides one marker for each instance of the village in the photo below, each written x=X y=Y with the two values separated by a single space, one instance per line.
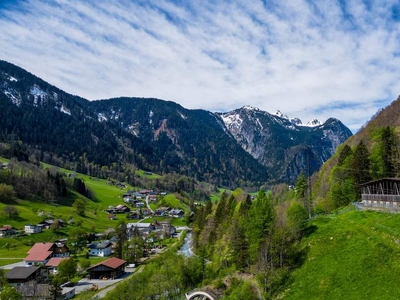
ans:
x=31 y=277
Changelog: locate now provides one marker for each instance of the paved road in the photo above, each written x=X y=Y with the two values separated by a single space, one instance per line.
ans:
x=148 y=205
x=10 y=266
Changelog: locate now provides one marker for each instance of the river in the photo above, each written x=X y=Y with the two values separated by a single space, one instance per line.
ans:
x=186 y=248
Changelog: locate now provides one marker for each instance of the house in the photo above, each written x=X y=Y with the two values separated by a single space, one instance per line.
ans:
x=121 y=209
x=142 y=228
x=53 y=263
x=30 y=229
x=35 y=291
x=140 y=204
x=111 y=268
x=134 y=216
x=152 y=198
x=112 y=217
x=18 y=276
x=41 y=253
x=47 y=223
x=102 y=249
x=383 y=193
x=60 y=250
x=177 y=213
x=6 y=230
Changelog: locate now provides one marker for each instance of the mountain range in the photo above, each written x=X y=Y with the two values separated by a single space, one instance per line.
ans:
x=243 y=147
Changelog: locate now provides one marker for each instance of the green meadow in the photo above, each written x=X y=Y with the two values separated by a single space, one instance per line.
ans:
x=349 y=255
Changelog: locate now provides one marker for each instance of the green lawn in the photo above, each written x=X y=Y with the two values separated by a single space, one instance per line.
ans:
x=351 y=255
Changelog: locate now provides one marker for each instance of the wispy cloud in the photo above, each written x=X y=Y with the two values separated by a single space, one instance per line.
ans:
x=306 y=58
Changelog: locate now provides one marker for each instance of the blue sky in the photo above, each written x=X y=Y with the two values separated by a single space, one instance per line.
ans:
x=309 y=59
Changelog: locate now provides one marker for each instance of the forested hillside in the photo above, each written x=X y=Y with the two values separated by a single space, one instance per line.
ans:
x=118 y=136
x=372 y=153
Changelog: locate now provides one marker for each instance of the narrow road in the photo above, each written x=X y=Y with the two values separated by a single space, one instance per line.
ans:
x=147 y=203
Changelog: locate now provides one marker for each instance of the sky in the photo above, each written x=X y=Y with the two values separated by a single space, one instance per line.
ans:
x=308 y=59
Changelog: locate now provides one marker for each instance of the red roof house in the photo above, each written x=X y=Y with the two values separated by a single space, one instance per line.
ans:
x=53 y=263
x=40 y=253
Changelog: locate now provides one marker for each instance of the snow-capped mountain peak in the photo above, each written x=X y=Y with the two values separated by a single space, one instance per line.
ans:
x=313 y=123
x=249 y=107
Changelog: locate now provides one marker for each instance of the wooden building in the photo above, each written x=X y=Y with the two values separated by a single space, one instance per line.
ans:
x=111 y=269
x=381 y=193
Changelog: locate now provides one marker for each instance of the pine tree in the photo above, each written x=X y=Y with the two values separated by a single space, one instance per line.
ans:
x=360 y=166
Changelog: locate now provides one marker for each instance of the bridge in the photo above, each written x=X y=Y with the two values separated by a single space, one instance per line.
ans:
x=200 y=295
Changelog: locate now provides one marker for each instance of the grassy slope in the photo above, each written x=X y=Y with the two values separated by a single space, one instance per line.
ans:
x=95 y=217
x=352 y=255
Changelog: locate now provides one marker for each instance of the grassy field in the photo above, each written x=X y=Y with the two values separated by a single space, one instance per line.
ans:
x=351 y=255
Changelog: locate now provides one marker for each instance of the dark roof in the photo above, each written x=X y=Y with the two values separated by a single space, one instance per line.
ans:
x=101 y=245
x=380 y=180
x=21 y=272
x=113 y=263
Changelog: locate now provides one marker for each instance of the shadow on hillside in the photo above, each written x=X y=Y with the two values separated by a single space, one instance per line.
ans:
x=309 y=230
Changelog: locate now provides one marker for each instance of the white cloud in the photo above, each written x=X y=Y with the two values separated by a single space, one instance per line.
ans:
x=299 y=57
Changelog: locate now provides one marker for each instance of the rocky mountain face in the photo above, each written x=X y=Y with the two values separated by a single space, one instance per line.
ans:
x=245 y=147
x=284 y=145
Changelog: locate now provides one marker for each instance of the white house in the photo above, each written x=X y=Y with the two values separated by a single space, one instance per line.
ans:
x=29 y=229
x=100 y=249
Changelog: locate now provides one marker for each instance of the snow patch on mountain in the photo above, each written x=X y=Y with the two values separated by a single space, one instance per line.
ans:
x=182 y=115
x=65 y=110
x=101 y=117
x=12 y=78
x=14 y=96
x=37 y=94
x=232 y=121
x=150 y=117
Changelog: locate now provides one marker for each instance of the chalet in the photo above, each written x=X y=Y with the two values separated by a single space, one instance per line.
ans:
x=111 y=268
x=177 y=213
x=140 y=204
x=60 y=250
x=18 y=276
x=41 y=253
x=161 y=211
x=119 y=209
x=152 y=198
x=381 y=193
x=102 y=249
x=6 y=230
x=137 y=195
x=30 y=229
x=53 y=263
x=46 y=224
